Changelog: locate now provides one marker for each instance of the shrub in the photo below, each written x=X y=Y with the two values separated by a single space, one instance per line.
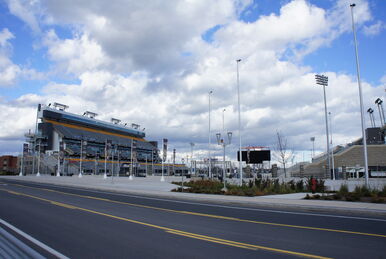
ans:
x=382 y=193
x=377 y=200
x=343 y=190
x=352 y=197
x=300 y=186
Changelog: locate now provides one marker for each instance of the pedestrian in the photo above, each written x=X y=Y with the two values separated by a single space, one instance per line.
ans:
x=313 y=184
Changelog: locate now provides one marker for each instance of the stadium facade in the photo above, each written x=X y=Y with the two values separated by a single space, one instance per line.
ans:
x=68 y=143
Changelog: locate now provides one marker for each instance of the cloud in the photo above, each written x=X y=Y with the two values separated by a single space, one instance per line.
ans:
x=147 y=36
x=26 y=11
x=131 y=63
x=10 y=72
x=374 y=29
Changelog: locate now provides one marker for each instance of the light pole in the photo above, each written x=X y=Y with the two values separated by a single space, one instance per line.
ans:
x=223 y=120
x=164 y=156
x=191 y=158
x=80 y=160
x=371 y=115
x=58 y=170
x=38 y=173
x=119 y=162
x=313 y=147
x=223 y=143
x=238 y=101
x=209 y=161
x=360 y=99
x=21 y=163
x=152 y=162
x=332 y=150
x=113 y=149
x=379 y=102
x=323 y=80
x=105 y=173
x=131 y=161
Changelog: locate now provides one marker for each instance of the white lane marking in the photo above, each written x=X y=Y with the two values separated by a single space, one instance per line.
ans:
x=33 y=240
x=211 y=205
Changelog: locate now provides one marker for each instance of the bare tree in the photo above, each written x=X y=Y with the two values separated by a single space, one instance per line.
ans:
x=282 y=153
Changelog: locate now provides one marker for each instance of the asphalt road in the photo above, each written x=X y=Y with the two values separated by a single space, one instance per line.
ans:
x=95 y=224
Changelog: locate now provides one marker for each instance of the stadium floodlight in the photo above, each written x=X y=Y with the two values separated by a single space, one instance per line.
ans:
x=115 y=121
x=332 y=149
x=221 y=141
x=191 y=157
x=379 y=102
x=323 y=80
x=371 y=115
x=135 y=126
x=209 y=161
x=238 y=102
x=61 y=107
x=313 y=147
x=360 y=98
x=89 y=114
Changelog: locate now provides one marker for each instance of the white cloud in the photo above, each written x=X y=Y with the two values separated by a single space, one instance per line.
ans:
x=129 y=64
x=25 y=10
x=374 y=29
x=10 y=72
x=75 y=56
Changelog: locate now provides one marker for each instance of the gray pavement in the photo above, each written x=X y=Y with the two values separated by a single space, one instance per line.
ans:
x=152 y=186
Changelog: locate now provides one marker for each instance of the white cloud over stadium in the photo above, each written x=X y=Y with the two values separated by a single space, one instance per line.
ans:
x=148 y=63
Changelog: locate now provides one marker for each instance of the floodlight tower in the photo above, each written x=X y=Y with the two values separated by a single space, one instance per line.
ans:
x=222 y=142
x=313 y=147
x=371 y=115
x=238 y=102
x=323 y=81
x=209 y=161
x=191 y=157
x=332 y=150
x=379 y=102
x=360 y=99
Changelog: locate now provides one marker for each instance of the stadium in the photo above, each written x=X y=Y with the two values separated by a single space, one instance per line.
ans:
x=68 y=144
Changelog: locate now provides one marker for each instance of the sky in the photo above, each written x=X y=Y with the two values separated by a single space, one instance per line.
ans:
x=154 y=63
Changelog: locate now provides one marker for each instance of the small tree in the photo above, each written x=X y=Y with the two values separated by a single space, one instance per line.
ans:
x=282 y=153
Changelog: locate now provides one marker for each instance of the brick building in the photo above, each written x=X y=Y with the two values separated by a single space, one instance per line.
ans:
x=8 y=164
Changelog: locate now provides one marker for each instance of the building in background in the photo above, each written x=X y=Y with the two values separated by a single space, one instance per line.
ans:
x=9 y=164
x=84 y=143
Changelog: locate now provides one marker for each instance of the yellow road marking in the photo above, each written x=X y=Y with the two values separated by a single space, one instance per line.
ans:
x=174 y=231
x=210 y=240
x=210 y=215
x=243 y=245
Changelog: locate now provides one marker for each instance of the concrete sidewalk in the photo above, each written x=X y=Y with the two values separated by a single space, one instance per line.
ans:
x=152 y=186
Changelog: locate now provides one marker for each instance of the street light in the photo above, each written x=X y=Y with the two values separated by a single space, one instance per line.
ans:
x=323 y=80
x=209 y=165
x=223 y=143
x=223 y=120
x=371 y=115
x=332 y=150
x=191 y=158
x=39 y=154
x=379 y=102
x=360 y=99
x=313 y=147
x=238 y=101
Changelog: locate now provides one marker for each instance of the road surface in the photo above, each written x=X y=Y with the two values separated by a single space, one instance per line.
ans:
x=80 y=223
